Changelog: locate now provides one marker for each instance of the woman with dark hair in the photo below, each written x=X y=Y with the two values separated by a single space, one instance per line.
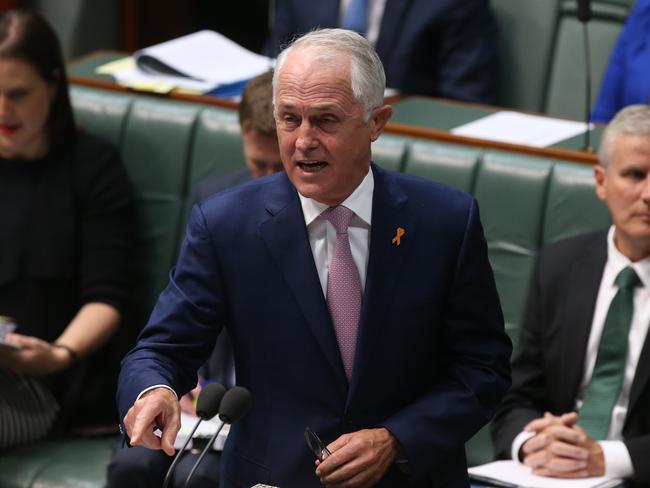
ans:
x=65 y=227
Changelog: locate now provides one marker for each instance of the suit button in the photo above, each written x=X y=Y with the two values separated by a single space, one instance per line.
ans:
x=348 y=421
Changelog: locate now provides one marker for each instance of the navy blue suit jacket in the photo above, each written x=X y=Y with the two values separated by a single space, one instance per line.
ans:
x=432 y=357
x=442 y=48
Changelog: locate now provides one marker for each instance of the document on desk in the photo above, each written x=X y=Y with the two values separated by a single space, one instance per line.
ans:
x=511 y=474
x=518 y=128
x=206 y=430
x=202 y=62
x=204 y=56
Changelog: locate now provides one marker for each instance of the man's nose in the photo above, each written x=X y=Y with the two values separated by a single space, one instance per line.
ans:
x=306 y=140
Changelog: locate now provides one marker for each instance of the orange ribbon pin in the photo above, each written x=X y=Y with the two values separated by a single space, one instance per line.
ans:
x=398 y=236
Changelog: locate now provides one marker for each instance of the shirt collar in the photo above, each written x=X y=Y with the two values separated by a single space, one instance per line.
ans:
x=360 y=202
x=618 y=261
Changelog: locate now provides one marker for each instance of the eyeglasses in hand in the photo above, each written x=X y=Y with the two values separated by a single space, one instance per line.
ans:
x=316 y=445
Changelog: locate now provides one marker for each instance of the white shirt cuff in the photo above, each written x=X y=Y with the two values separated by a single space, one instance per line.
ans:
x=618 y=463
x=154 y=387
x=522 y=437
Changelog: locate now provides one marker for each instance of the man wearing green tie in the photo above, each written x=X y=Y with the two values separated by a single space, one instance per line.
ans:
x=580 y=401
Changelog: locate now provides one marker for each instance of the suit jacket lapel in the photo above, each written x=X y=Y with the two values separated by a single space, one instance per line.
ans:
x=286 y=237
x=582 y=293
x=391 y=23
x=384 y=267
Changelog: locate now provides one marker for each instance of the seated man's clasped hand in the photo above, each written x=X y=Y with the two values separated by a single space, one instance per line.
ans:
x=561 y=448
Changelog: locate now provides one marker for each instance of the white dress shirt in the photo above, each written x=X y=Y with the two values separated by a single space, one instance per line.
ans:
x=617 y=458
x=322 y=235
x=375 y=14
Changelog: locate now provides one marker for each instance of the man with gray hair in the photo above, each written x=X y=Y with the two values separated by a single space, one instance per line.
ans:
x=581 y=381
x=360 y=302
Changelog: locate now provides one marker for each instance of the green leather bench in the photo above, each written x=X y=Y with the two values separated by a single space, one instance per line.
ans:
x=169 y=145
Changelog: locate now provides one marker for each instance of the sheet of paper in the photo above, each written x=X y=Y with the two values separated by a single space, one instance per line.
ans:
x=519 y=475
x=126 y=63
x=135 y=78
x=127 y=74
x=518 y=128
x=209 y=56
x=206 y=429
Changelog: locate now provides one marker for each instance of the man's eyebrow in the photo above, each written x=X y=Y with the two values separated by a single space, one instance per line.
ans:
x=325 y=107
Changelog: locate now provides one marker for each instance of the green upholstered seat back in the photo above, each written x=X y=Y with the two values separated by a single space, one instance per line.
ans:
x=572 y=205
x=389 y=151
x=511 y=191
x=216 y=150
x=566 y=84
x=101 y=111
x=217 y=147
x=526 y=33
x=156 y=150
x=451 y=164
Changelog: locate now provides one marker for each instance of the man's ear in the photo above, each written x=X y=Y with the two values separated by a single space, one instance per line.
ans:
x=246 y=126
x=379 y=119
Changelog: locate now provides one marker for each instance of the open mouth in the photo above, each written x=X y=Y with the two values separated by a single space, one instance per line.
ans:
x=8 y=129
x=312 y=166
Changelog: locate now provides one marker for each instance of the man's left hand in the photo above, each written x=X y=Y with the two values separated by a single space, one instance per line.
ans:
x=359 y=459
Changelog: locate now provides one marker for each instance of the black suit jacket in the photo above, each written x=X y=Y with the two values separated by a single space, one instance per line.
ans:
x=549 y=365
x=442 y=48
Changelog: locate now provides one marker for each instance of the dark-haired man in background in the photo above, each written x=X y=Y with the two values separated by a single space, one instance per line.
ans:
x=260 y=140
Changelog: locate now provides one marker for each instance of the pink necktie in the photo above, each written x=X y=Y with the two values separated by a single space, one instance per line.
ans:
x=343 y=287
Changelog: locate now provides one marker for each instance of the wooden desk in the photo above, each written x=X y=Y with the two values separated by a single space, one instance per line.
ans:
x=433 y=119
x=420 y=117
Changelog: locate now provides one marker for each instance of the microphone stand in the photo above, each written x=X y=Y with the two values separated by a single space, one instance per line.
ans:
x=179 y=454
x=235 y=403
x=207 y=407
x=584 y=15
x=204 y=452
x=587 y=146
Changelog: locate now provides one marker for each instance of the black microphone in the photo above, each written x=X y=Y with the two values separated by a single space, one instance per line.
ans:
x=584 y=10
x=234 y=405
x=584 y=15
x=207 y=406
